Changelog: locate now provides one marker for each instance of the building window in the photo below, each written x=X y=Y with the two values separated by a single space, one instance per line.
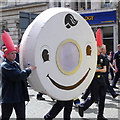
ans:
x=105 y=3
x=84 y=4
x=57 y=4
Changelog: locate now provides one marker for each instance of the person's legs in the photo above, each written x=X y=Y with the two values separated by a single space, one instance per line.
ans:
x=89 y=101
x=109 y=88
x=87 y=91
x=6 y=110
x=57 y=107
x=20 y=110
x=116 y=77
x=102 y=94
x=68 y=109
x=112 y=73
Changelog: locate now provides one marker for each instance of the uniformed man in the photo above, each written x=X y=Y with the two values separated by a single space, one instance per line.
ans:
x=98 y=86
x=109 y=88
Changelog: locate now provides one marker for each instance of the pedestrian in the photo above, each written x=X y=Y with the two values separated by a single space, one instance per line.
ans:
x=57 y=107
x=109 y=88
x=14 y=85
x=98 y=85
x=116 y=62
x=110 y=57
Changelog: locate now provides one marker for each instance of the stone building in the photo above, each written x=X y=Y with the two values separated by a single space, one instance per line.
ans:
x=10 y=15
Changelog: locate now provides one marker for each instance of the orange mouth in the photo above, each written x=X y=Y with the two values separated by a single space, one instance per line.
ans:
x=68 y=87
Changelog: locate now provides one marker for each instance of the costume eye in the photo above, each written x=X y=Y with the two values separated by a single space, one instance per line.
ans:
x=88 y=50
x=45 y=55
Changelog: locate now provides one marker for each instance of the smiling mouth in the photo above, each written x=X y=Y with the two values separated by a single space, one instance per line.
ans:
x=68 y=87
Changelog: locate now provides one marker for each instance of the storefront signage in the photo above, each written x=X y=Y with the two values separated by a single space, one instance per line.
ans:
x=100 y=17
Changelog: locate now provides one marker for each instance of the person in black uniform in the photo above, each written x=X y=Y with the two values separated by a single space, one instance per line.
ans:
x=116 y=61
x=109 y=88
x=98 y=89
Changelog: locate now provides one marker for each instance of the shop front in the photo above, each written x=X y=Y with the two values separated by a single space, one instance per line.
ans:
x=107 y=22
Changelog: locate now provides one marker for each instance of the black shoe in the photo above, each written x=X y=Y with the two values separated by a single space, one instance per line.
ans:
x=96 y=101
x=47 y=117
x=81 y=111
x=39 y=97
x=101 y=117
x=53 y=99
x=115 y=95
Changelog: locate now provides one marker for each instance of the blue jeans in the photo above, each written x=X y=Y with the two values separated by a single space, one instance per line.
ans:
x=116 y=77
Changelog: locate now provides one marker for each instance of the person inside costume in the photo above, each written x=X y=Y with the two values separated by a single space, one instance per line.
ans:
x=98 y=86
x=14 y=85
x=57 y=107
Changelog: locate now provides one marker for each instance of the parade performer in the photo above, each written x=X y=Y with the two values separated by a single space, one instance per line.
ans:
x=14 y=85
x=98 y=87
x=109 y=88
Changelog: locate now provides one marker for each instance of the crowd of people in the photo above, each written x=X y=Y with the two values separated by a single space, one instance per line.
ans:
x=13 y=84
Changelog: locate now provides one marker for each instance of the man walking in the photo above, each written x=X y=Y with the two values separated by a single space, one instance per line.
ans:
x=116 y=61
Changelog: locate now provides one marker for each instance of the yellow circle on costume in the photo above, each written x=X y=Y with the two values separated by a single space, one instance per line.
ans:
x=69 y=57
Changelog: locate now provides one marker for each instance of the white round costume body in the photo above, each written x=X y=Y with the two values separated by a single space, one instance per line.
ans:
x=62 y=46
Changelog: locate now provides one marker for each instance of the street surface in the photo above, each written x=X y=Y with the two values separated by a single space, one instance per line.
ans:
x=38 y=108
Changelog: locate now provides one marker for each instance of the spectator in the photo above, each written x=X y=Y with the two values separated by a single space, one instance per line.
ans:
x=116 y=61
x=110 y=57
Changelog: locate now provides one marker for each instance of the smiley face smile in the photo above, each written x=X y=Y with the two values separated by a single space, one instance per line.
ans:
x=68 y=87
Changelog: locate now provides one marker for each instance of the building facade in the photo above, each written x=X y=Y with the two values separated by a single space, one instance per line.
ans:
x=102 y=14
x=10 y=16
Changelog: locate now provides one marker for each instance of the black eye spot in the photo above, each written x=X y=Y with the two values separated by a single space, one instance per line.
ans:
x=45 y=55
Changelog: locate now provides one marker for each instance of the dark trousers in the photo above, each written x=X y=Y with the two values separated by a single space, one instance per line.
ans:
x=112 y=73
x=116 y=77
x=57 y=107
x=98 y=90
x=7 y=109
x=109 y=88
x=87 y=91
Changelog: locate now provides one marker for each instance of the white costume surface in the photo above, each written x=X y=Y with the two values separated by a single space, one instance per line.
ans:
x=63 y=47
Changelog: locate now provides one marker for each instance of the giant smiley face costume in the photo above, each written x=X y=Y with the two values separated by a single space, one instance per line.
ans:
x=62 y=46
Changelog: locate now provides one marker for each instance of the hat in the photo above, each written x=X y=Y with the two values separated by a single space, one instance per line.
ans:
x=8 y=43
x=99 y=37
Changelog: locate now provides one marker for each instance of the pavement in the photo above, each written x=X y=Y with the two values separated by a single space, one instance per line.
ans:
x=36 y=109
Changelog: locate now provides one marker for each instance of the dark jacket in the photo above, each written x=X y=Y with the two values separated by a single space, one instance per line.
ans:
x=14 y=84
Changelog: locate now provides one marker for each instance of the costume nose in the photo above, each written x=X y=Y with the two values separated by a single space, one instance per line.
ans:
x=69 y=56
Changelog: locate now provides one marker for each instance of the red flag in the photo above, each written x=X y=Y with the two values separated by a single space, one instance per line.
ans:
x=99 y=37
